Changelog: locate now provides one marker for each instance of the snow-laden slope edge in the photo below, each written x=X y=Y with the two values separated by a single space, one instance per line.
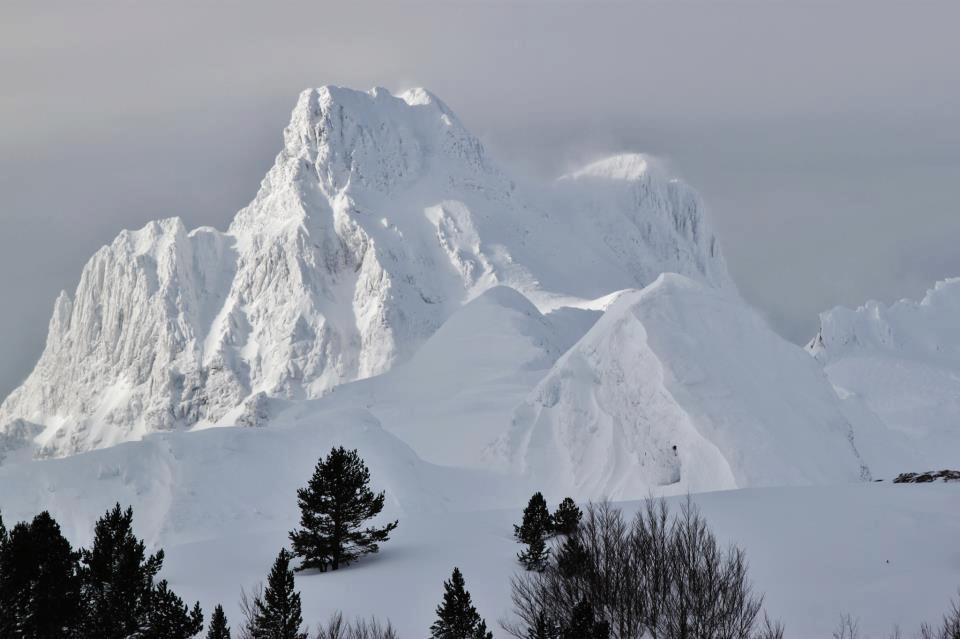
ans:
x=459 y=389
x=899 y=368
x=381 y=216
x=188 y=487
x=679 y=387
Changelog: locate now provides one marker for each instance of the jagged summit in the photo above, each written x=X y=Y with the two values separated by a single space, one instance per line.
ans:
x=381 y=216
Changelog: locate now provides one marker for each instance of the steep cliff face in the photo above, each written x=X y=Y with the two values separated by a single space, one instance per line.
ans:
x=381 y=216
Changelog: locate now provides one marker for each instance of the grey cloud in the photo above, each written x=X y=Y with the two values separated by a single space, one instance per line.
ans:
x=824 y=135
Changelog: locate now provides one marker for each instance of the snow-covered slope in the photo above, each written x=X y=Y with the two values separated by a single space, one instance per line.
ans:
x=679 y=387
x=381 y=217
x=221 y=502
x=898 y=367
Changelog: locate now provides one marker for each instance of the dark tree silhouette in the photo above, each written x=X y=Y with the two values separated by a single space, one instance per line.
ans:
x=218 y=625
x=567 y=517
x=277 y=612
x=456 y=616
x=333 y=506
x=39 y=581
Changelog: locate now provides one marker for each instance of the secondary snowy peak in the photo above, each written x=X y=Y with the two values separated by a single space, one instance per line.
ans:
x=898 y=367
x=381 y=216
x=927 y=328
x=680 y=387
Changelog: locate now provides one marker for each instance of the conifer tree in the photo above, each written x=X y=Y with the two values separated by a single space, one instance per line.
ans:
x=121 y=598
x=456 y=616
x=533 y=531
x=218 y=625
x=39 y=581
x=536 y=520
x=169 y=618
x=583 y=625
x=277 y=613
x=536 y=555
x=3 y=532
x=566 y=519
x=333 y=506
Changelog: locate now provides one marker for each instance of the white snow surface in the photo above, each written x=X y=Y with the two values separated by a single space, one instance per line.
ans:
x=677 y=388
x=898 y=369
x=381 y=216
x=220 y=503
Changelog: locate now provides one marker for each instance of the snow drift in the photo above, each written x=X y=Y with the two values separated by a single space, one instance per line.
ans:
x=678 y=388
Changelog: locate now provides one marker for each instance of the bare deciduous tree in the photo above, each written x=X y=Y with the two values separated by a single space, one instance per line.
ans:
x=338 y=628
x=661 y=576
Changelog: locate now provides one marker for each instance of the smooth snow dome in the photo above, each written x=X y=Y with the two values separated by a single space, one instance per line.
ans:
x=898 y=367
x=381 y=216
x=679 y=388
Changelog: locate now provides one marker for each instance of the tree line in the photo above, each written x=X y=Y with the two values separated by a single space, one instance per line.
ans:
x=592 y=574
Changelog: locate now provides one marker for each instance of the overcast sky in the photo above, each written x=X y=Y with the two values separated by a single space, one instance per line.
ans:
x=824 y=136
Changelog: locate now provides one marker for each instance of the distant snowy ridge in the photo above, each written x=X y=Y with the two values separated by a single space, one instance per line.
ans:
x=680 y=388
x=381 y=216
x=897 y=368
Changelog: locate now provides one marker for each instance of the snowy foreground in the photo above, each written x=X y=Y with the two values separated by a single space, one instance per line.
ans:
x=221 y=501
x=816 y=553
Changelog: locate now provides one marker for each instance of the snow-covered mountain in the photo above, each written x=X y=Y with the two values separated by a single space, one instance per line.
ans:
x=381 y=216
x=679 y=387
x=898 y=367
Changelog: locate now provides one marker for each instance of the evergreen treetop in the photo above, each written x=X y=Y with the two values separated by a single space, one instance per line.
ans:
x=278 y=614
x=218 y=625
x=39 y=581
x=457 y=618
x=566 y=519
x=333 y=506
x=118 y=577
x=169 y=618
x=536 y=520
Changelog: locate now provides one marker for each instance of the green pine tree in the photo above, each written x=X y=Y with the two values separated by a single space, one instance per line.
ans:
x=456 y=616
x=218 y=625
x=566 y=519
x=533 y=531
x=117 y=578
x=277 y=614
x=333 y=506
x=536 y=520
x=39 y=581
x=536 y=555
x=169 y=618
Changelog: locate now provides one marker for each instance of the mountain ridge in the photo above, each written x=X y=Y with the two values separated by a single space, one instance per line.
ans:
x=380 y=217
